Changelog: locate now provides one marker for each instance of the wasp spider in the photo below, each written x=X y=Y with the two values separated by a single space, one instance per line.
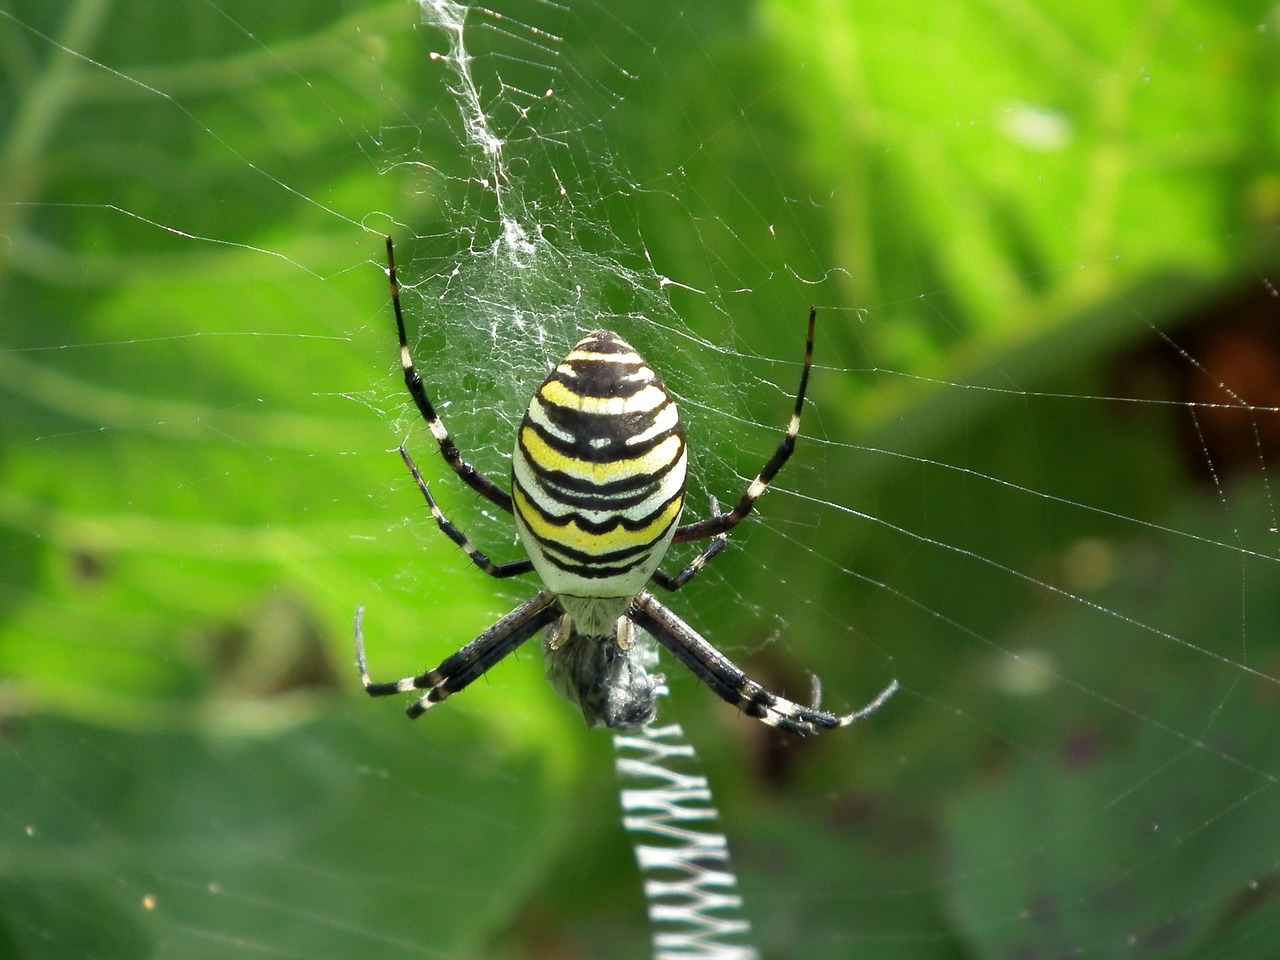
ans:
x=597 y=487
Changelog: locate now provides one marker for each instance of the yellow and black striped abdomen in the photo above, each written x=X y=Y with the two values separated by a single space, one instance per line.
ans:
x=598 y=472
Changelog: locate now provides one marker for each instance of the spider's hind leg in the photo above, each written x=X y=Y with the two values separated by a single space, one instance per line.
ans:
x=722 y=523
x=476 y=480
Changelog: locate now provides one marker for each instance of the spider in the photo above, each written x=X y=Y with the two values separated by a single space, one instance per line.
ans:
x=597 y=488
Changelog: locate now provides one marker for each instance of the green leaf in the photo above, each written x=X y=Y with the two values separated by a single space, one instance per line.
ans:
x=1103 y=846
x=321 y=837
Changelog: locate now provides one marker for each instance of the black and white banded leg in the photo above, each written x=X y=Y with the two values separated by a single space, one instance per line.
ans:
x=694 y=567
x=459 y=670
x=729 y=682
x=722 y=523
x=473 y=477
x=499 y=570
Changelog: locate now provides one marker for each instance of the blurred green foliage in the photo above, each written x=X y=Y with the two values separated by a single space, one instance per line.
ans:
x=1027 y=204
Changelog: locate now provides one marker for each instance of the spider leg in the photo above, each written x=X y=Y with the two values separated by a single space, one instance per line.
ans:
x=473 y=477
x=722 y=523
x=459 y=670
x=674 y=583
x=729 y=682
x=499 y=570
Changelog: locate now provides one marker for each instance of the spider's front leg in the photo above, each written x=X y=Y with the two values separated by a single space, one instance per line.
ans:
x=729 y=682
x=459 y=670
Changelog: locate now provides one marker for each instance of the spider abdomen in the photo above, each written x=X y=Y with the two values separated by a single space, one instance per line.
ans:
x=598 y=472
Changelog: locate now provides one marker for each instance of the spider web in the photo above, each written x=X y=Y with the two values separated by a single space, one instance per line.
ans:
x=1034 y=483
